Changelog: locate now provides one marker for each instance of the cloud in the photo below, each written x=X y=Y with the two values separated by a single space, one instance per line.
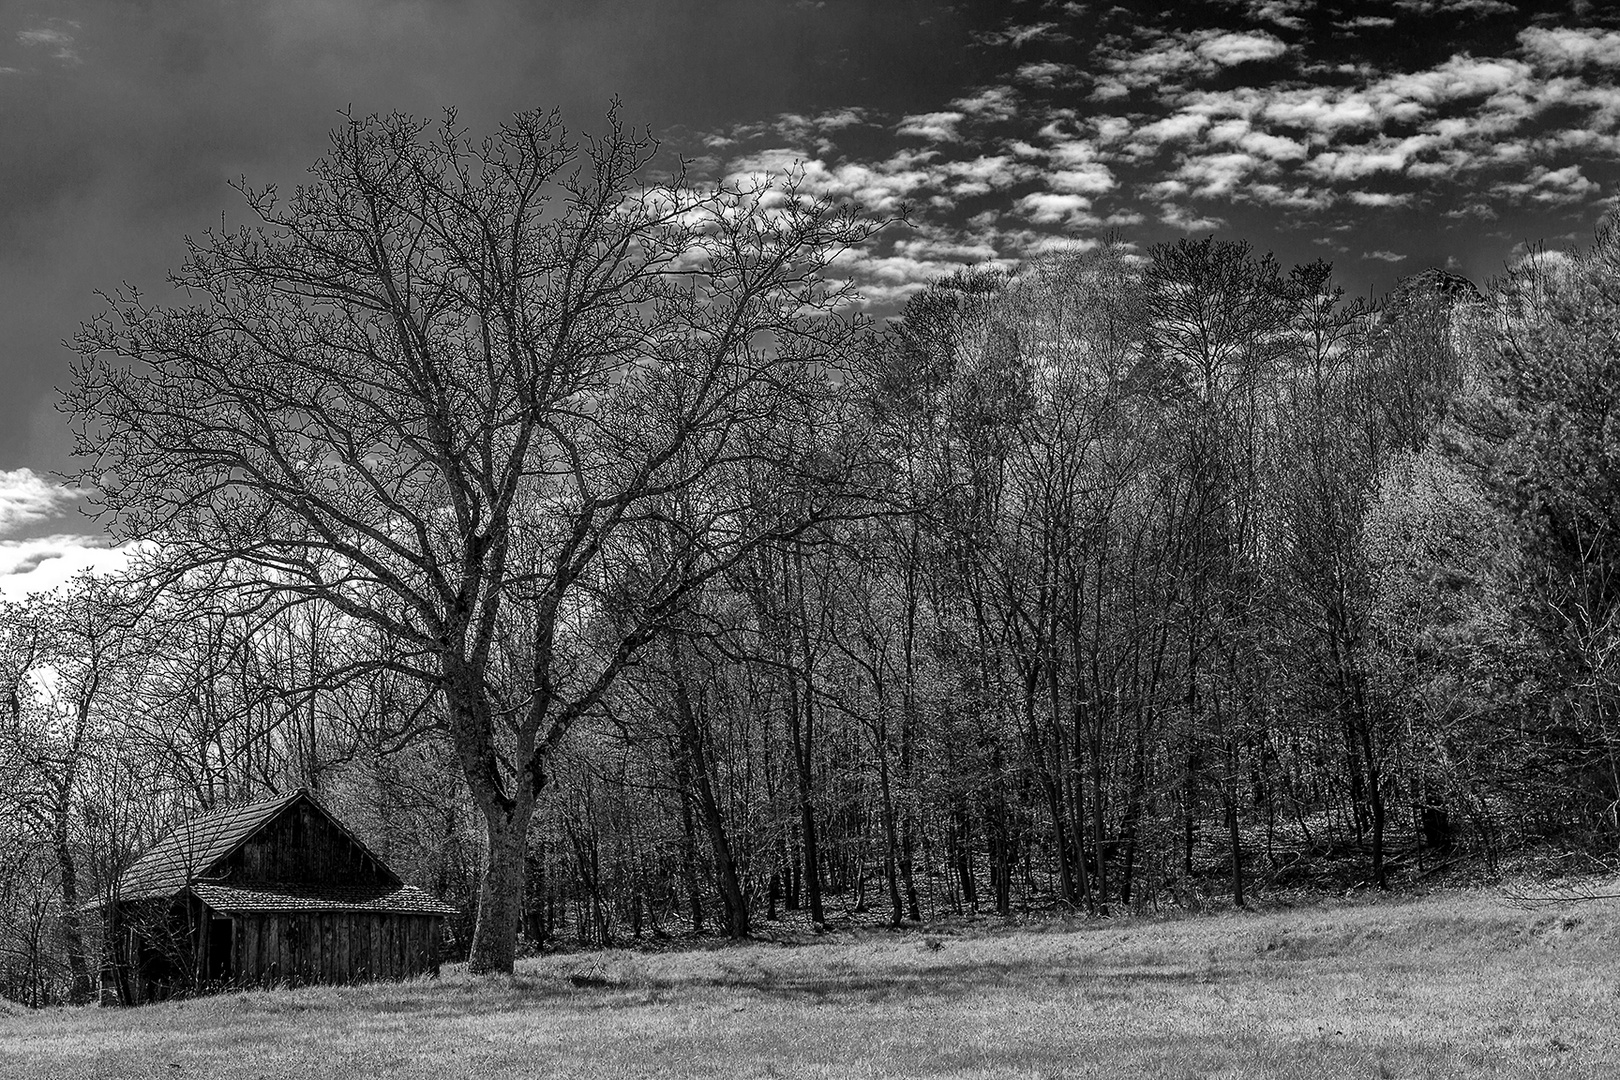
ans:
x=1548 y=258
x=1108 y=87
x=1230 y=49
x=1111 y=129
x=1548 y=186
x=1187 y=220
x=984 y=174
x=815 y=131
x=27 y=498
x=1567 y=48
x=1175 y=59
x=1056 y=207
x=888 y=280
x=1272 y=147
x=934 y=126
x=924 y=248
x=840 y=118
x=1076 y=166
x=1458 y=78
x=1284 y=13
x=1367 y=159
x=1385 y=256
x=1177 y=127
x=1322 y=112
x=46 y=562
x=990 y=103
x=1380 y=198
x=1019 y=36
x=1217 y=175
x=879 y=187
x=1301 y=197
x=54 y=37
x=1046 y=74
x=1455 y=7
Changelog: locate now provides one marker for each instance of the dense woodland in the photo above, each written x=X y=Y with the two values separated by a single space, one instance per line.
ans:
x=571 y=536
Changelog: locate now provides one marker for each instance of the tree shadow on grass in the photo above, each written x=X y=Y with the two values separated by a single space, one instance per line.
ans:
x=900 y=982
x=953 y=981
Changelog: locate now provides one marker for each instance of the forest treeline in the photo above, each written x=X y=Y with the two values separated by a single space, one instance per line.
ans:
x=616 y=582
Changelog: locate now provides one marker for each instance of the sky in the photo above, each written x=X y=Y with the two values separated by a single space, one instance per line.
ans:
x=1383 y=135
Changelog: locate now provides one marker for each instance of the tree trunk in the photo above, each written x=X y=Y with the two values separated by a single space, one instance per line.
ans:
x=494 y=943
x=908 y=864
x=801 y=728
x=696 y=777
x=68 y=869
x=732 y=898
x=961 y=837
x=891 y=841
x=694 y=891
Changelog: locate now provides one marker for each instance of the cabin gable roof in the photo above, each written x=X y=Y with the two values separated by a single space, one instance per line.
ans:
x=196 y=847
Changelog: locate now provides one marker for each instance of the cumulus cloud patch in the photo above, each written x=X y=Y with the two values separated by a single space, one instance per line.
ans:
x=48 y=562
x=1284 y=13
x=26 y=498
x=1177 y=127
x=934 y=126
x=880 y=187
x=55 y=38
x=1544 y=185
x=990 y=103
x=1569 y=48
x=1230 y=49
x=985 y=174
x=1057 y=208
x=1186 y=219
x=1046 y=73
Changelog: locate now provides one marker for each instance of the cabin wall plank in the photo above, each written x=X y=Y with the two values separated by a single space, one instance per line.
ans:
x=243 y=958
x=272 y=967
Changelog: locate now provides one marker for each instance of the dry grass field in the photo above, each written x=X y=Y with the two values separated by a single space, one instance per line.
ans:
x=1469 y=985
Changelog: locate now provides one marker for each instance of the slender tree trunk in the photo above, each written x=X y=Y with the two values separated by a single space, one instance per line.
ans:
x=961 y=837
x=694 y=891
x=68 y=870
x=71 y=921
x=891 y=838
x=732 y=898
x=800 y=724
x=1237 y=848
x=908 y=864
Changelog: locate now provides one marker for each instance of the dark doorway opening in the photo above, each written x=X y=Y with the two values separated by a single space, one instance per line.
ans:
x=220 y=966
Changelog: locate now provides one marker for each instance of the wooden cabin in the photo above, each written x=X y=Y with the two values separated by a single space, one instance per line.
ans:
x=264 y=893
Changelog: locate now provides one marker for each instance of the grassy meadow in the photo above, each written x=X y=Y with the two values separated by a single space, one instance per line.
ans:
x=1470 y=984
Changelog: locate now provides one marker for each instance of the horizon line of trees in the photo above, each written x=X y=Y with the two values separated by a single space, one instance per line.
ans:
x=569 y=537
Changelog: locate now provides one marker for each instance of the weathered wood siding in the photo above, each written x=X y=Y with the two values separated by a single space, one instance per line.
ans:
x=334 y=947
x=302 y=845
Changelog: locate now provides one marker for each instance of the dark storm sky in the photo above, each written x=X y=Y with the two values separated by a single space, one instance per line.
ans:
x=1385 y=135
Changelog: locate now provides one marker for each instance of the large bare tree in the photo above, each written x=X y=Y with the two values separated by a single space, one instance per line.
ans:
x=444 y=386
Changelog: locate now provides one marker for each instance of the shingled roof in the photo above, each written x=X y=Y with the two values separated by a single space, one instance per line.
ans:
x=183 y=859
x=403 y=900
x=196 y=845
